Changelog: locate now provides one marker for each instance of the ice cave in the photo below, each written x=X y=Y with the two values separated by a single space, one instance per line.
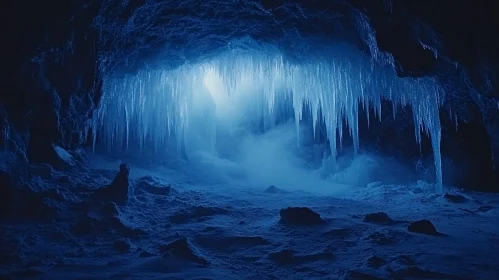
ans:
x=250 y=139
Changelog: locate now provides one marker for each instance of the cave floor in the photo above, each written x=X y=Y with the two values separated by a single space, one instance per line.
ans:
x=176 y=227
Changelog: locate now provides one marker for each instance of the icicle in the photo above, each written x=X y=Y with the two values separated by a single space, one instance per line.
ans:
x=162 y=108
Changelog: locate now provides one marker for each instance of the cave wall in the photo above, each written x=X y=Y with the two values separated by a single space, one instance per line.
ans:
x=455 y=41
x=50 y=79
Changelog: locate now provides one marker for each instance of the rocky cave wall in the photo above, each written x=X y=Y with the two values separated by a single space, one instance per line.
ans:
x=52 y=68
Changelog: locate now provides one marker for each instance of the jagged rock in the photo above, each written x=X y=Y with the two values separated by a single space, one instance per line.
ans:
x=423 y=227
x=301 y=216
x=119 y=190
x=378 y=218
x=182 y=248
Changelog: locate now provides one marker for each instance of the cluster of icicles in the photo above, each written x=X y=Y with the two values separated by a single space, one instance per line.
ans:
x=155 y=108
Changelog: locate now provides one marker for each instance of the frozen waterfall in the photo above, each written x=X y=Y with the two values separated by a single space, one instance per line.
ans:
x=183 y=107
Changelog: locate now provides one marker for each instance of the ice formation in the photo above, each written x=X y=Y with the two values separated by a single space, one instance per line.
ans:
x=183 y=107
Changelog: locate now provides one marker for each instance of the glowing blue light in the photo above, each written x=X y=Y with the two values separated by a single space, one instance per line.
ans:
x=188 y=106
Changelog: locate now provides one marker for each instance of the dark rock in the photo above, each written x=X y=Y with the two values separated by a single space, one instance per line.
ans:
x=301 y=216
x=108 y=209
x=423 y=227
x=119 y=190
x=182 y=248
x=456 y=198
x=378 y=218
x=122 y=245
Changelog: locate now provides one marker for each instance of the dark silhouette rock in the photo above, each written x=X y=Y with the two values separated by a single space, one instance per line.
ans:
x=423 y=227
x=378 y=218
x=300 y=216
x=119 y=190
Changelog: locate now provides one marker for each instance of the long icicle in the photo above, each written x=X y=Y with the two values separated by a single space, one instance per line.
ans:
x=157 y=108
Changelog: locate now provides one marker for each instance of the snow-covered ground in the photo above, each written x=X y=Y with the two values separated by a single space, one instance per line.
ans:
x=177 y=226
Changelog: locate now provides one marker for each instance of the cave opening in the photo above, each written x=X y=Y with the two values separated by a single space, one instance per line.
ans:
x=212 y=112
